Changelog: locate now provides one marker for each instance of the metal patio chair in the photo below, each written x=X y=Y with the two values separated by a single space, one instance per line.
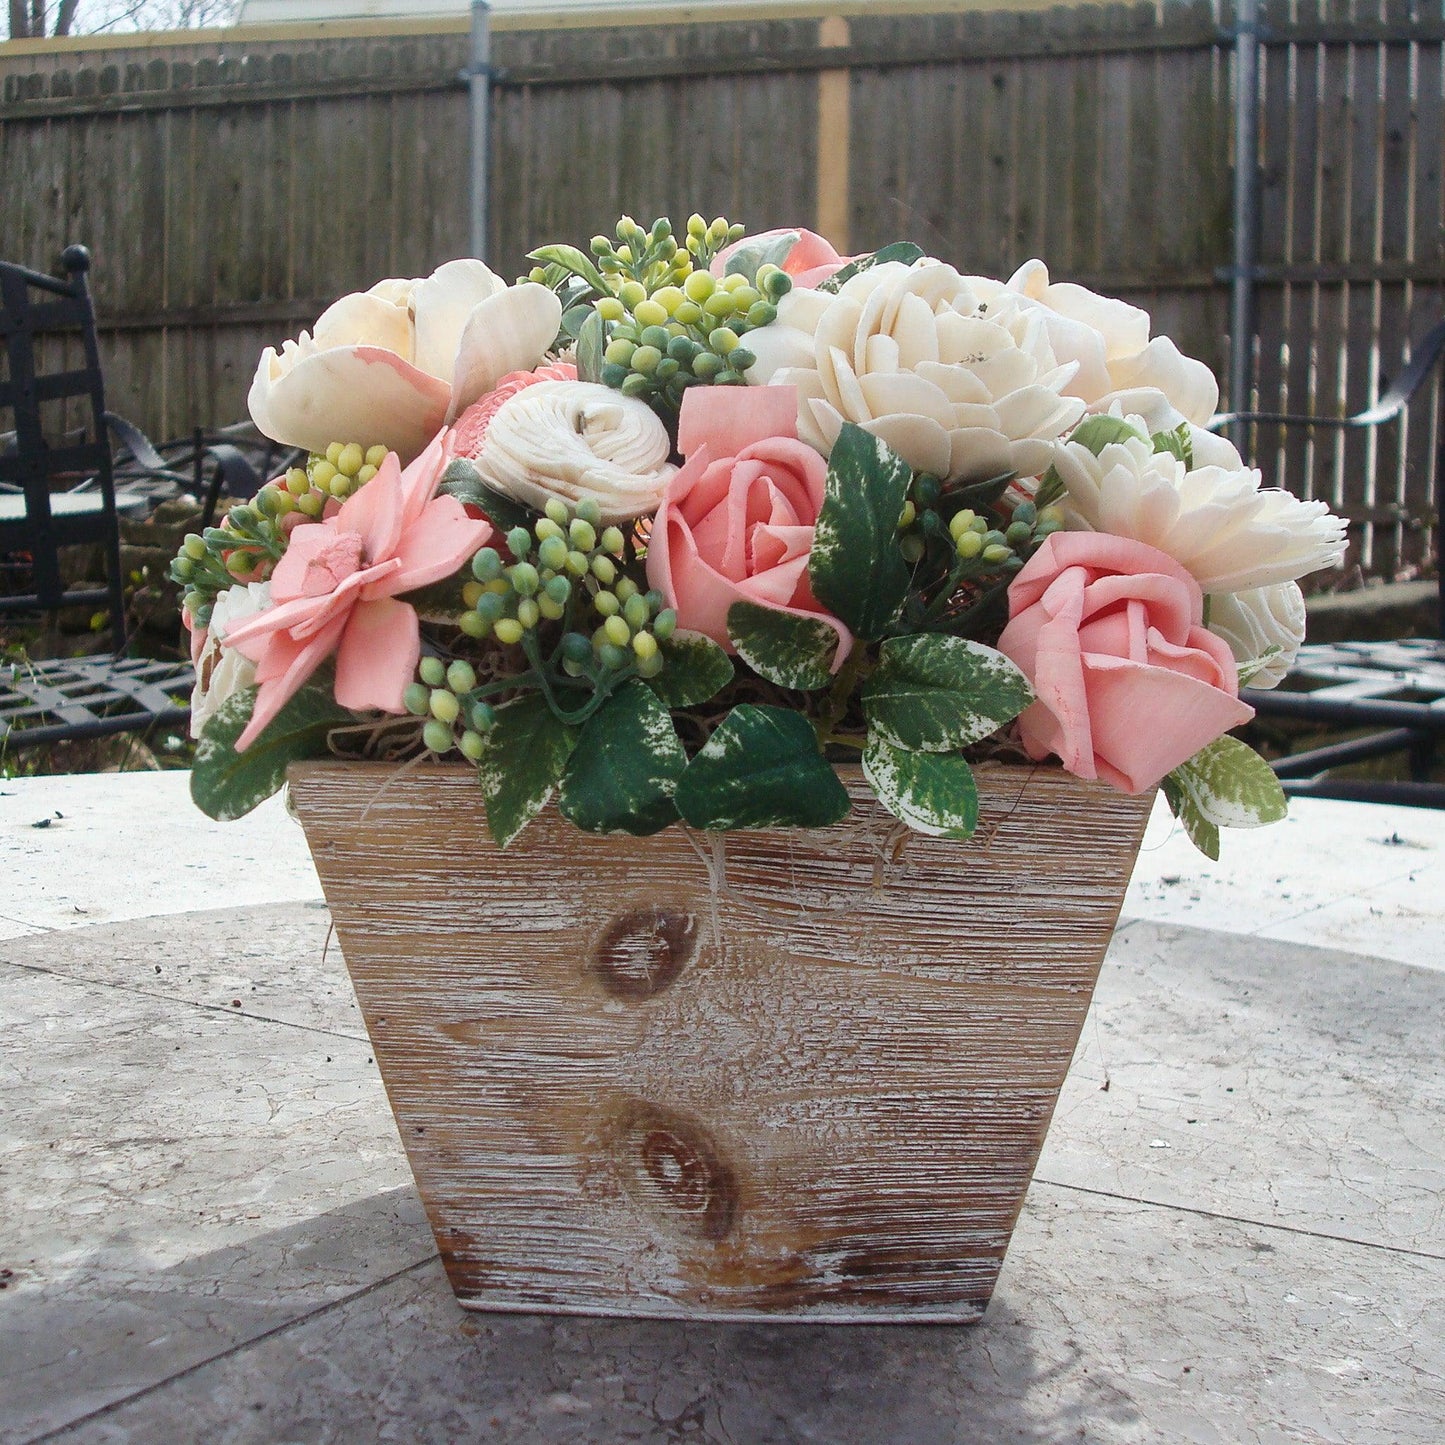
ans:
x=1396 y=689
x=73 y=698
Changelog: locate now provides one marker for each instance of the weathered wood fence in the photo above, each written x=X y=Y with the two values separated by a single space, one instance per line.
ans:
x=231 y=188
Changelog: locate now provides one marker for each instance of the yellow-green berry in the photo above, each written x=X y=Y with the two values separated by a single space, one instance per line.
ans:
x=472 y=746
x=617 y=631
x=433 y=671
x=607 y=604
x=375 y=456
x=437 y=736
x=443 y=705
x=461 y=676
x=351 y=459
x=644 y=645
x=509 y=630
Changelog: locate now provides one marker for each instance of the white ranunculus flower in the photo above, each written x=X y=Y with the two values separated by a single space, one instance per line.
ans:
x=1117 y=362
x=1262 y=623
x=1215 y=521
x=221 y=670
x=392 y=364
x=960 y=388
x=574 y=439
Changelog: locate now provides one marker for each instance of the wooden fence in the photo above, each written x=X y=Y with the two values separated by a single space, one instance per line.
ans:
x=231 y=188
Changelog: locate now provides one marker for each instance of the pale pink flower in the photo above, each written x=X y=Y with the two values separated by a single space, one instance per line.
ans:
x=335 y=591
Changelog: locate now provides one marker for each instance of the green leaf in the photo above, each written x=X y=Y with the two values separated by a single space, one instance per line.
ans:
x=1178 y=441
x=464 y=482
x=1097 y=432
x=751 y=256
x=575 y=317
x=591 y=342
x=785 y=648
x=856 y=568
x=226 y=784
x=933 y=793
x=625 y=768
x=980 y=494
x=935 y=693
x=524 y=757
x=1232 y=786
x=569 y=258
x=695 y=669
x=903 y=251
x=761 y=768
x=1250 y=670
x=1197 y=828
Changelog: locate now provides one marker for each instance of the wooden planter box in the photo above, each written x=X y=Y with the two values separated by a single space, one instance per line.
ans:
x=757 y=1076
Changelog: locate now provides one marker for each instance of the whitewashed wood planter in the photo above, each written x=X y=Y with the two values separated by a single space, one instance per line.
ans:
x=776 y=1075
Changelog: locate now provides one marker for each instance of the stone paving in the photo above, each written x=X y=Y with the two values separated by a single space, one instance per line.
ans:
x=208 y=1231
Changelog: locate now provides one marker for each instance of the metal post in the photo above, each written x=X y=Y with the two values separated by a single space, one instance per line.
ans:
x=479 y=77
x=1246 y=205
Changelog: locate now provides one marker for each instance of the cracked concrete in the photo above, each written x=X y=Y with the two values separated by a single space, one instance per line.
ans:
x=208 y=1231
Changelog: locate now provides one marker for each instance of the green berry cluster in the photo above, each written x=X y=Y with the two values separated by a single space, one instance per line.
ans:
x=456 y=716
x=337 y=472
x=246 y=549
x=562 y=559
x=1008 y=547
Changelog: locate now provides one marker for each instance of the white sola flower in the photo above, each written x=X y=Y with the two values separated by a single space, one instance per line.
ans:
x=220 y=670
x=959 y=387
x=1263 y=627
x=574 y=439
x=1214 y=520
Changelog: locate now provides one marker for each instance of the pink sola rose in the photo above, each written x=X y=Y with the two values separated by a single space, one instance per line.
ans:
x=1129 y=683
x=466 y=437
x=736 y=522
x=811 y=261
x=335 y=591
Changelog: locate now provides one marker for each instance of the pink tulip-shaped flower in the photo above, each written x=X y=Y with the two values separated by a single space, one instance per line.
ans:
x=335 y=591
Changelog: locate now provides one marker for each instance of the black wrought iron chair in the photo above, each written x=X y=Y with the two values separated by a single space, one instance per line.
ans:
x=1396 y=687
x=49 y=701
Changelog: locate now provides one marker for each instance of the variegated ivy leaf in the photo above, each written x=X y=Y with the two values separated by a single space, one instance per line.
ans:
x=523 y=759
x=1197 y=828
x=1250 y=670
x=783 y=647
x=856 y=567
x=226 y=784
x=905 y=252
x=694 y=670
x=591 y=342
x=1097 y=432
x=1229 y=785
x=752 y=255
x=464 y=482
x=933 y=793
x=624 y=769
x=761 y=768
x=935 y=693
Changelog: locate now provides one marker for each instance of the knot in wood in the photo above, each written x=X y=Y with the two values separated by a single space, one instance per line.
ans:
x=641 y=952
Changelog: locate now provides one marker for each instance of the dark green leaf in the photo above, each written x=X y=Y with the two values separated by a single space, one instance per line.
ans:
x=902 y=251
x=856 y=568
x=761 y=768
x=695 y=669
x=571 y=259
x=1197 y=828
x=979 y=494
x=464 y=482
x=937 y=693
x=625 y=767
x=751 y=255
x=933 y=793
x=525 y=756
x=785 y=648
x=591 y=342
x=1178 y=441
x=226 y=784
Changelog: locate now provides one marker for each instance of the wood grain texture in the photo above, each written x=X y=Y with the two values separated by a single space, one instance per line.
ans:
x=774 y=1075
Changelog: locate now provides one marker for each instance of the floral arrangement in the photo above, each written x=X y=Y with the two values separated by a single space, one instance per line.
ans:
x=670 y=525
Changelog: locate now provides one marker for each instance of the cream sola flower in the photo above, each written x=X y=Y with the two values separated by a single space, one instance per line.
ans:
x=1264 y=628
x=575 y=439
x=1216 y=521
x=1118 y=366
x=960 y=387
x=395 y=363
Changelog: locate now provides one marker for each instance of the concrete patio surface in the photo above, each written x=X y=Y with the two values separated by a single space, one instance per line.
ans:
x=208 y=1231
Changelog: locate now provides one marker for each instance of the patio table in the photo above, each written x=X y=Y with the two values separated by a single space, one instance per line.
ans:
x=208 y=1231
